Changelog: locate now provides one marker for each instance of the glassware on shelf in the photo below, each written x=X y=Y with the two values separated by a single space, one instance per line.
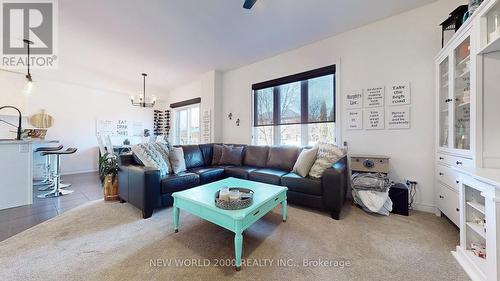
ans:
x=493 y=23
x=461 y=97
x=444 y=96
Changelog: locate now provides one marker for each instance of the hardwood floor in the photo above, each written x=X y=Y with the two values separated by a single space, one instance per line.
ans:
x=87 y=187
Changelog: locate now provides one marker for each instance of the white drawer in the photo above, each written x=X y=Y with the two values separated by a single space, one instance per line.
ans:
x=448 y=203
x=447 y=176
x=454 y=161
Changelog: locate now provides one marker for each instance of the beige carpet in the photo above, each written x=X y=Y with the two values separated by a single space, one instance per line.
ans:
x=110 y=241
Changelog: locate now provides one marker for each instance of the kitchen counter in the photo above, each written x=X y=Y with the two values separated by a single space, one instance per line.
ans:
x=34 y=141
x=16 y=178
x=16 y=174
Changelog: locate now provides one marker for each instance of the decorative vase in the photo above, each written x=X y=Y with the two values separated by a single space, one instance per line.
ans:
x=110 y=188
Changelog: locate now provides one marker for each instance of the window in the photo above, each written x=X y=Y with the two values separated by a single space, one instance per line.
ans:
x=295 y=110
x=187 y=125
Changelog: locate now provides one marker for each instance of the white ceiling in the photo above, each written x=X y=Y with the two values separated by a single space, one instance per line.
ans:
x=108 y=43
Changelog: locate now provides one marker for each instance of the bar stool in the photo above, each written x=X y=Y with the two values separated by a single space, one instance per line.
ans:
x=47 y=177
x=56 y=177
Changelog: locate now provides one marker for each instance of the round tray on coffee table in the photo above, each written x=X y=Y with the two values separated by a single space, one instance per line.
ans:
x=239 y=204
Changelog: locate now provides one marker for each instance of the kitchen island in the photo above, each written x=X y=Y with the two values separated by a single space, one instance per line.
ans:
x=16 y=173
x=19 y=165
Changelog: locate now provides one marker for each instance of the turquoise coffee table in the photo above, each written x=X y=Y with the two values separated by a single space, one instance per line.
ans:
x=200 y=201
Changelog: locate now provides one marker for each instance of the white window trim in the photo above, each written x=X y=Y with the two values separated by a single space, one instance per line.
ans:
x=175 y=135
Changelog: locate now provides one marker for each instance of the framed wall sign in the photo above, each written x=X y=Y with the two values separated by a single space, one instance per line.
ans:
x=354 y=99
x=399 y=94
x=374 y=97
x=374 y=118
x=355 y=119
x=398 y=117
x=119 y=128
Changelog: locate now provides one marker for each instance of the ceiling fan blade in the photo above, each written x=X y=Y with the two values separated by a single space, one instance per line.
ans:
x=249 y=4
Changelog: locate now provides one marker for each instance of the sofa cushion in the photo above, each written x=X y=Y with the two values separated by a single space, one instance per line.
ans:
x=256 y=156
x=193 y=156
x=297 y=183
x=207 y=152
x=239 y=172
x=172 y=183
x=271 y=176
x=282 y=157
x=231 y=156
x=208 y=174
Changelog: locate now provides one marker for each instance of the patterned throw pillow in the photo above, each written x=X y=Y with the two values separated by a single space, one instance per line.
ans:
x=150 y=157
x=177 y=160
x=163 y=150
x=327 y=155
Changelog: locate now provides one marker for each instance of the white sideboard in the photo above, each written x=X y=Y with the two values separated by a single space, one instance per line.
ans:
x=479 y=201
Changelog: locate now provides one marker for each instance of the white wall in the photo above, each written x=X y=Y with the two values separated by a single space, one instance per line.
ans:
x=400 y=48
x=75 y=109
x=208 y=88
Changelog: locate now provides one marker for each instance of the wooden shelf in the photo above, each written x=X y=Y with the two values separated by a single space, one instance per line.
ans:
x=479 y=229
x=477 y=206
x=491 y=47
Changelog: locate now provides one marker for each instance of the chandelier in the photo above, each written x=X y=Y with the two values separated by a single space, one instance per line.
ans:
x=142 y=100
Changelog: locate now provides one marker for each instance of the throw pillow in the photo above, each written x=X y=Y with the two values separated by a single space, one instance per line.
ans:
x=305 y=161
x=164 y=152
x=150 y=157
x=231 y=155
x=217 y=154
x=177 y=160
x=327 y=155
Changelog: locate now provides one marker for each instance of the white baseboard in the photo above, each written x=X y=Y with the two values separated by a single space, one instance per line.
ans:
x=79 y=172
x=428 y=208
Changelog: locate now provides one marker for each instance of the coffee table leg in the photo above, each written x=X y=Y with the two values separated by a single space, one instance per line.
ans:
x=176 y=219
x=238 y=245
x=283 y=210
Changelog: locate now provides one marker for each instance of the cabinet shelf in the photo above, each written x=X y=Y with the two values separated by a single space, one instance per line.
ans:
x=493 y=46
x=465 y=73
x=479 y=207
x=479 y=229
x=464 y=60
x=463 y=104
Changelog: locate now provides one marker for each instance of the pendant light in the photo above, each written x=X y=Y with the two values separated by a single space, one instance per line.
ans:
x=142 y=100
x=29 y=80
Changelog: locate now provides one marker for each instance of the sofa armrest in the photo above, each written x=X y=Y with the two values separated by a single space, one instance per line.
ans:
x=335 y=183
x=141 y=187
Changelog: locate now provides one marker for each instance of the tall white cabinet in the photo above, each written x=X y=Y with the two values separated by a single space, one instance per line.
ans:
x=456 y=99
x=467 y=183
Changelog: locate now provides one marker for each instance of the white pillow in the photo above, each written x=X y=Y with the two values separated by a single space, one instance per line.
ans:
x=177 y=161
x=327 y=155
x=305 y=161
